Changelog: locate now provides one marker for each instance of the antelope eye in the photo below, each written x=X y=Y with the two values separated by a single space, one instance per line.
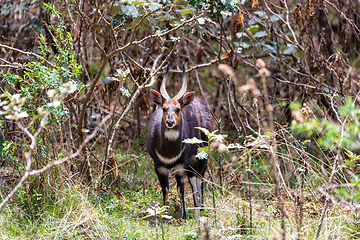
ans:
x=178 y=110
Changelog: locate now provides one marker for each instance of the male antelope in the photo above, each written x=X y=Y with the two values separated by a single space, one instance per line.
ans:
x=167 y=128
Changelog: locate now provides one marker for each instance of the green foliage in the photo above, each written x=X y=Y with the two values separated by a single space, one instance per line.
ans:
x=114 y=204
x=130 y=10
x=341 y=134
x=39 y=90
x=215 y=6
x=203 y=152
x=289 y=49
x=117 y=20
x=353 y=158
x=5 y=10
x=193 y=140
x=155 y=211
x=39 y=78
x=56 y=13
x=190 y=235
x=353 y=196
x=13 y=106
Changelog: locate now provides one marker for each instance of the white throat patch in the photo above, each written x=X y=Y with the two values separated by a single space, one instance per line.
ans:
x=172 y=134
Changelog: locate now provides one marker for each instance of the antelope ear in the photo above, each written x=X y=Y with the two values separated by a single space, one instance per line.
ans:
x=188 y=98
x=155 y=97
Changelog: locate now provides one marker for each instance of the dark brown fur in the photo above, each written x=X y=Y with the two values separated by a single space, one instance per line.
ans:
x=178 y=118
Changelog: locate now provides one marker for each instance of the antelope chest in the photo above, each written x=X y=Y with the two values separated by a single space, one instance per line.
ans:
x=169 y=160
x=172 y=140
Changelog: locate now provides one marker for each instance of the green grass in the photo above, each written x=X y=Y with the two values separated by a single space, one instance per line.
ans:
x=77 y=214
x=74 y=211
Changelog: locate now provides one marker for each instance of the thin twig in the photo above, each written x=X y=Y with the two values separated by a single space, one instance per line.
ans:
x=334 y=170
x=27 y=54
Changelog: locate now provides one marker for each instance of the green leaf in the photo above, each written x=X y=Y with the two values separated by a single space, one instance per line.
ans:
x=202 y=155
x=349 y=163
x=5 y=10
x=260 y=13
x=351 y=155
x=274 y=18
x=130 y=10
x=253 y=29
x=193 y=140
x=268 y=134
x=138 y=2
x=186 y=11
x=269 y=48
x=202 y=149
x=204 y=130
x=33 y=21
x=196 y=3
x=108 y=79
x=289 y=49
x=117 y=20
x=243 y=45
x=167 y=16
x=254 y=20
x=154 y=6
x=260 y=34
x=241 y=34
x=124 y=92
x=190 y=235
x=295 y=106
x=228 y=4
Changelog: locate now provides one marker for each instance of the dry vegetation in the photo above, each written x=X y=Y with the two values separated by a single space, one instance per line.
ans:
x=282 y=80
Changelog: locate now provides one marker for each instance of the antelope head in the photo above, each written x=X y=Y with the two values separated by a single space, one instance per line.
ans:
x=172 y=107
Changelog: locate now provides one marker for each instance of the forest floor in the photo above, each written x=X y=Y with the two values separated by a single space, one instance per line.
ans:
x=120 y=211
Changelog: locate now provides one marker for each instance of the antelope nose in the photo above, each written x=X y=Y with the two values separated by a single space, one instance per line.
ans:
x=170 y=123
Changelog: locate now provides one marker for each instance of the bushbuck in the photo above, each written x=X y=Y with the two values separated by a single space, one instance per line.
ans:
x=168 y=126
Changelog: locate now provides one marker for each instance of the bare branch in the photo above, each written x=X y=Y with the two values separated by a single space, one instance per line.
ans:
x=156 y=35
x=27 y=54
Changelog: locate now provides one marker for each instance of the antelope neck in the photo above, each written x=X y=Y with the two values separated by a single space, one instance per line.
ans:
x=172 y=134
x=171 y=145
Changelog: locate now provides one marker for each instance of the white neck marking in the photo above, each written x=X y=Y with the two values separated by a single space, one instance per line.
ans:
x=171 y=134
x=169 y=160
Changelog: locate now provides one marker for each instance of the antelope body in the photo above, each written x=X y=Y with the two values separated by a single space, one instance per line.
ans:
x=167 y=128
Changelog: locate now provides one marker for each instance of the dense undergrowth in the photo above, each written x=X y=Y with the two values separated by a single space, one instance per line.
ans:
x=245 y=207
x=281 y=78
